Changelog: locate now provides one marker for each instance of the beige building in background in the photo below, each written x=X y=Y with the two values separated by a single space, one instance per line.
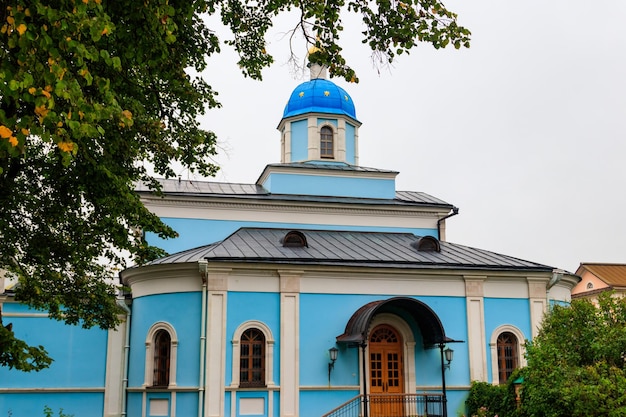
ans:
x=597 y=278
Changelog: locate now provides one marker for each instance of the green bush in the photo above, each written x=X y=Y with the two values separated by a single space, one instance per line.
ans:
x=484 y=399
x=487 y=400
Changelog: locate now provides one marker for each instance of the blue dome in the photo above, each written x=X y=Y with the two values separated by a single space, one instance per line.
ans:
x=319 y=96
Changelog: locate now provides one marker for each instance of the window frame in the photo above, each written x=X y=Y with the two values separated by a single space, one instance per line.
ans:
x=519 y=354
x=252 y=350
x=151 y=345
x=507 y=352
x=268 y=355
x=162 y=358
x=327 y=139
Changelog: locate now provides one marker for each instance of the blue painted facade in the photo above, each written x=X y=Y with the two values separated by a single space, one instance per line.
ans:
x=299 y=140
x=76 y=379
x=332 y=186
x=205 y=305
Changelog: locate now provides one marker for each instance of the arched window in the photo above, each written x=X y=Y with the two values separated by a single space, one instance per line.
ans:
x=508 y=355
x=252 y=359
x=590 y=285
x=326 y=142
x=162 y=354
x=253 y=356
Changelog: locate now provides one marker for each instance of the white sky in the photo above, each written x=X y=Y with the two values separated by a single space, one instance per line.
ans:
x=524 y=131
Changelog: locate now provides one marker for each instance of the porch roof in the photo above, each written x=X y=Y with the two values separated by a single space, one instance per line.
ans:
x=430 y=326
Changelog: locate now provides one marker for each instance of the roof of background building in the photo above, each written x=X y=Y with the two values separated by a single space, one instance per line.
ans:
x=220 y=189
x=347 y=248
x=611 y=274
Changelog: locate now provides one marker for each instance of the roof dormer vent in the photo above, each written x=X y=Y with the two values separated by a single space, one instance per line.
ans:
x=427 y=244
x=294 y=239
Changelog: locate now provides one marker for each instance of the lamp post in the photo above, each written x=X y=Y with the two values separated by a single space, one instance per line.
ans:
x=447 y=354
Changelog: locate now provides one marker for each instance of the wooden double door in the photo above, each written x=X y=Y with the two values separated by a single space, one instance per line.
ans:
x=386 y=372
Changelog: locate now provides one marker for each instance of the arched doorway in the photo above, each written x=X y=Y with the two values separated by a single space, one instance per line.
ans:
x=362 y=331
x=386 y=371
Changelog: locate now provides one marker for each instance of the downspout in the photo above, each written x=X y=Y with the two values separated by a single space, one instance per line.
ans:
x=365 y=395
x=455 y=211
x=123 y=305
x=443 y=382
x=557 y=276
x=203 y=264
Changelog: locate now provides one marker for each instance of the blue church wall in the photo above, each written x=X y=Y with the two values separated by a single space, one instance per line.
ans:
x=332 y=186
x=299 y=140
x=350 y=144
x=452 y=311
x=323 y=317
x=79 y=354
x=199 y=232
x=456 y=402
x=227 y=401
x=510 y=311
x=186 y=404
x=133 y=404
x=79 y=404
x=182 y=312
x=316 y=403
x=247 y=306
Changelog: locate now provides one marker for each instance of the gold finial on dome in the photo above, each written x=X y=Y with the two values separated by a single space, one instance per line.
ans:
x=316 y=70
x=313 y=49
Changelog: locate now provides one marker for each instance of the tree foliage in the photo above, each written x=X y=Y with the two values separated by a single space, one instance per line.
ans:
x=93 y=90
x=577 y=363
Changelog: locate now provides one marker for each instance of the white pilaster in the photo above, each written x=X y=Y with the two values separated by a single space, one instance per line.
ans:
x=285 y=144
x=477 y=344
x=113 y=391
x=340 y=154
x=313 y=138
x=290 y=342
x=537 y=297
x=217 y=285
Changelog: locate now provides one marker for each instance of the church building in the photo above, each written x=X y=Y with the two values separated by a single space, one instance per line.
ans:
x=318 y=290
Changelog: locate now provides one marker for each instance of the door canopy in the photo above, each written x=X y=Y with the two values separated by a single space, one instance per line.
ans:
x=426 y=319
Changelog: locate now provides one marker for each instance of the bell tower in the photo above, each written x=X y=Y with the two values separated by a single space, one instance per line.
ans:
x=319 y=123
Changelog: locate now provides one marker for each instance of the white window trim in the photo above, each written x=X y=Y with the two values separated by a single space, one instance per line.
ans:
x=333 y=129
x=148 y=380
x=493 y=344
x=269 y=352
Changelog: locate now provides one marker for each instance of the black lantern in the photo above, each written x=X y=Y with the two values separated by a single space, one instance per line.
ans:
x=332 y=353
x=449 y=354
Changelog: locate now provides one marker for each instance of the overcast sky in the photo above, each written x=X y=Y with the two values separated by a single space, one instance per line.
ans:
x=524 y=131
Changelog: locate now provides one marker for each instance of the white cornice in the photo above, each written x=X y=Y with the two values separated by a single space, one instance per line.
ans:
x=163 y=278
x=256 y=205
x=329 y=116
x=264 y=277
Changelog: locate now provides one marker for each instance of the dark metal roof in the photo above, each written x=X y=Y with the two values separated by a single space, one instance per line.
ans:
x=253 y=191
x=349 y=248
x=430 y=326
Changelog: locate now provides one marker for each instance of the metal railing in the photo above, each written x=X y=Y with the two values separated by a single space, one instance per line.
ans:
x=391 y=405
